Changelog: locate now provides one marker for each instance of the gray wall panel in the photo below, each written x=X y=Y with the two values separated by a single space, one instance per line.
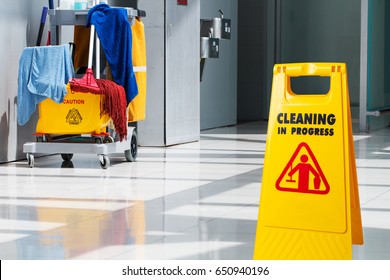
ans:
x=218 y=89
x=151 y=131
x=182 y=72
x=172 y=106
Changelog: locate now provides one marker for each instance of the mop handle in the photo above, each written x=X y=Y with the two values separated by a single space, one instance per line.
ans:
x=97 y=57
x=91 y=42
x=90 y=54
x=41 y=26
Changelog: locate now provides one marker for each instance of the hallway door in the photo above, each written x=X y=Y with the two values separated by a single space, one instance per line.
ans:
x=375 y=64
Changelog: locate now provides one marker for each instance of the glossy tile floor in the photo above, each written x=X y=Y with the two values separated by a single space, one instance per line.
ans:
x=192 y=201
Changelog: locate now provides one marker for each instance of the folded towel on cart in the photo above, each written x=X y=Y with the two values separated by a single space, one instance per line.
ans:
x=113 y=29
x=43 y=73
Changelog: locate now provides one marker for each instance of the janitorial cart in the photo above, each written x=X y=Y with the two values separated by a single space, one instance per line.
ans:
x=80 y=124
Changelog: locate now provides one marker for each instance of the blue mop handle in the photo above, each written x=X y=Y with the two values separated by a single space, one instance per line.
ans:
x=42 y=25
x=51 y=4
x=44 y=15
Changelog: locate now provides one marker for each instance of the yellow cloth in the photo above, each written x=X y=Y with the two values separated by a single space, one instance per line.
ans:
x=137 y=106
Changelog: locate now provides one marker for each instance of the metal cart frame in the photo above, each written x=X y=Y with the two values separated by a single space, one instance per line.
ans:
x=74 y=145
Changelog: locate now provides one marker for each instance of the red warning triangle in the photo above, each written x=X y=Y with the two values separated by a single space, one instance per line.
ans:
x=303 y=174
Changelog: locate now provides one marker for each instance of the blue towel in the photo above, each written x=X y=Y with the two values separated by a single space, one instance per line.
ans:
x=43 y=73
x=113 y=29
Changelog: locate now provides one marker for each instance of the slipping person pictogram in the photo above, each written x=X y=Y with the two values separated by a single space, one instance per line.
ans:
x=304 y=169
x=303 y=163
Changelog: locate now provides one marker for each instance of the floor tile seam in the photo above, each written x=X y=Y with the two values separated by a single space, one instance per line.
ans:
x=221 y=216
x=371 y=209
x=30 y=230
x=68 y=176
x=373 y=167
x=215 y=160
x=35 y=233
x=200 y=156
x=135 y=247
x=375 y=198
x=249 y=194
x=220 y=204
x=249 y=205
x=233 y=141
x=179 y=164
x=119 y=179
x=84 y=220
x=191 y=165
x=155 y=241
x=30 y=203
x=26 y=203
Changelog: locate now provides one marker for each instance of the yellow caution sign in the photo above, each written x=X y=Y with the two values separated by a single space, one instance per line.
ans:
x=309 y=204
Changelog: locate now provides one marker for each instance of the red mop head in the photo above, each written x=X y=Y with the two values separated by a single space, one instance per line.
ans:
x=86 y=84
x=114 y=104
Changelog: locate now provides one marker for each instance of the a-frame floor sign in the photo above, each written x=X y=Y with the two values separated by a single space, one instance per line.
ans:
x=309 y=204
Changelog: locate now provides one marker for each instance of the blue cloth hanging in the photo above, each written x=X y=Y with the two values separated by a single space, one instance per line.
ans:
x=113 y=29
x=43 y=73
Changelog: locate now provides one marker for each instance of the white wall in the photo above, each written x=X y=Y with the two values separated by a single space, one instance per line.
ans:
x=19 y=22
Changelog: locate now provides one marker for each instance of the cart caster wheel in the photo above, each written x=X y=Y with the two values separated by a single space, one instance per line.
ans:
x=67 y=164
x=109 y=139
x=30 y=160
x=67 y=157
x=42 y=138
x=104 y=161
x=131 y=154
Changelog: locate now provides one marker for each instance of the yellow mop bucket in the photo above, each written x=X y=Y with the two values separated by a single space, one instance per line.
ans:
x=78 y=114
